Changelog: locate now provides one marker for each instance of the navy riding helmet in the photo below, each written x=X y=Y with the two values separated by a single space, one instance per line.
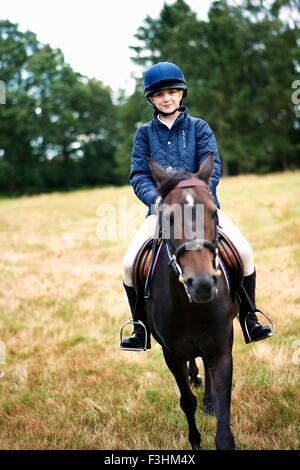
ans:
x=164 y=76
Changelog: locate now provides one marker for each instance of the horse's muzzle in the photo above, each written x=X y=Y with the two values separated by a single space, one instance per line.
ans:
x=202 y=289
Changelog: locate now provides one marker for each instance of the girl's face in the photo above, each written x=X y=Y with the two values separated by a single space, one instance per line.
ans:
x=167 y=100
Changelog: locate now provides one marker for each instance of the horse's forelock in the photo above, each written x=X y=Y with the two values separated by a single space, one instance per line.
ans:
x=168 y=184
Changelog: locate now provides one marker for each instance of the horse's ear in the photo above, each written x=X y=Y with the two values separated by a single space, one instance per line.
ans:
x=157 y=171
x=206 y=167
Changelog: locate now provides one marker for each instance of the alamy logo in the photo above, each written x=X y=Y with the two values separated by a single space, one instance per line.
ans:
x=2 y=352
x=296 y=97
x=2 y=92
x=118 y=221
x=296 y=354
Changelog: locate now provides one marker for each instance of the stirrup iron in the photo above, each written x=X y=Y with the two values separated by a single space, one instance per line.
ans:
x=132 y=322
x=273 y=328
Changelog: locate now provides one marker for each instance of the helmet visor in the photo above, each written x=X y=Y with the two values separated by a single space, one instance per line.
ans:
x=165 y=85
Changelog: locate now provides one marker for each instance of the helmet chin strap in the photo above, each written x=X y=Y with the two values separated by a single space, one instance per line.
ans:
x=167 y=114
x=162 y=112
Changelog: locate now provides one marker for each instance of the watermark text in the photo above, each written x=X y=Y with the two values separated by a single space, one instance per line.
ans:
x=296 y=97
x=2 y=93
x=122 y=221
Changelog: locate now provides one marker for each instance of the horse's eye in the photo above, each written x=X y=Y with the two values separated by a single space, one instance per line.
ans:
x=214 y=214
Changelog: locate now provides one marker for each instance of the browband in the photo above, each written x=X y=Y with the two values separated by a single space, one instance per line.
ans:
x=190 y=183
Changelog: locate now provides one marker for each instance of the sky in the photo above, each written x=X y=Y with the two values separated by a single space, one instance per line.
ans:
x=94 y=35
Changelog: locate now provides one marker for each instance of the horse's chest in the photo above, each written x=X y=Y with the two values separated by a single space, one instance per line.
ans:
x=186 y=346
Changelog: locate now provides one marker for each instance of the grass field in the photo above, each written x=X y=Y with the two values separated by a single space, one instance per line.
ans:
x=66 y=385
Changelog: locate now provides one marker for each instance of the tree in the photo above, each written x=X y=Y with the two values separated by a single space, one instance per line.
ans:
x=57 y=129
x=240 y=65
x=131 y=113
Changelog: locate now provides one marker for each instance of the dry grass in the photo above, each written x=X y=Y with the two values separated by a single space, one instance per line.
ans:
x=65 y=384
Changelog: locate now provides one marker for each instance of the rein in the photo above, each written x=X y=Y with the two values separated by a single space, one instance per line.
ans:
x=195 y=245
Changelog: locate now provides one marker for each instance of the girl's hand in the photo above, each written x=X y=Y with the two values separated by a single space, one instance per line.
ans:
x=158 y=201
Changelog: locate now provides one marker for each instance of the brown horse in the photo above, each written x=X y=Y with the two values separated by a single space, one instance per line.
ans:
x=190 y=310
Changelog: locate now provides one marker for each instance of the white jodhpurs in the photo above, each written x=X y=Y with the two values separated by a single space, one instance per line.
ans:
x=147 y=230
x=239 y=241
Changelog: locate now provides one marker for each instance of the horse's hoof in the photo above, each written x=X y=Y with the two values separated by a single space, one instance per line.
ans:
x=196 y=447
x=196 y=381
x=225 y=443
x=195 y=440
x=209 y=409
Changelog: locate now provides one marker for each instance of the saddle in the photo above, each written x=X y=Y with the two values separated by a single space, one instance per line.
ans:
x=142 y=264
x=232 y=261
x=227 y=252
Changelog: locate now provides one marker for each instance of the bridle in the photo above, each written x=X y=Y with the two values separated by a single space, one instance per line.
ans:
x=174 y=252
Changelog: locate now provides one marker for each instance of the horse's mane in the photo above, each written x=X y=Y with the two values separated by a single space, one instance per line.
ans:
x=169 y=183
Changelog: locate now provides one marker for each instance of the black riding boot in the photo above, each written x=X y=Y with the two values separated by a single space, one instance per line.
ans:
x=247 y=315
x=137 y=339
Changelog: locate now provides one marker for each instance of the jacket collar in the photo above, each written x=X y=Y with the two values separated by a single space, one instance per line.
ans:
x=180 y=120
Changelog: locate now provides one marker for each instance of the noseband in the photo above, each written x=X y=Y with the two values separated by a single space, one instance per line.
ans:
x=195 y=245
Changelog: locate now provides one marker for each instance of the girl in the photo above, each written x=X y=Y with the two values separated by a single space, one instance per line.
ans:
x=175 y=139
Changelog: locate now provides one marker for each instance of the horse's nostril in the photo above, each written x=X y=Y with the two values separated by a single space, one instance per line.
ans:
x=206 y=286
x=202 y=284
x=202 y=289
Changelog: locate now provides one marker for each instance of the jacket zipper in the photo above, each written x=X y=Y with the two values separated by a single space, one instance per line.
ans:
x=183 y=139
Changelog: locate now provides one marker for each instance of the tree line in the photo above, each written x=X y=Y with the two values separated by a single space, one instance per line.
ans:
x=60 y=130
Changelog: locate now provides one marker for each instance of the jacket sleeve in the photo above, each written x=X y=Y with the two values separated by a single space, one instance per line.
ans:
x=140 y=177
x=206 y=142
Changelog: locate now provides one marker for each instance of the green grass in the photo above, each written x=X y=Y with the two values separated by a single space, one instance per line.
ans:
x=66 y=385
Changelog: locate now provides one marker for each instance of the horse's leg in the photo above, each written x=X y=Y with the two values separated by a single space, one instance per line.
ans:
x=220 y=371
x=195 y=379
x=207 y=397
x=188 y=401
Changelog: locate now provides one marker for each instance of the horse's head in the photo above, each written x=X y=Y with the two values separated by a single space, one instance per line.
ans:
x=189 y=226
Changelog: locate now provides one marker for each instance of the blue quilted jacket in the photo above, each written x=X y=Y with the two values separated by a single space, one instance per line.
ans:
x=181 y=147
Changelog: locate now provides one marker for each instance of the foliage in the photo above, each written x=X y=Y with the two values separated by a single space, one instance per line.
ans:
x=240 y=65
x=57 y=126
x=61 y=130
x=130 y=114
